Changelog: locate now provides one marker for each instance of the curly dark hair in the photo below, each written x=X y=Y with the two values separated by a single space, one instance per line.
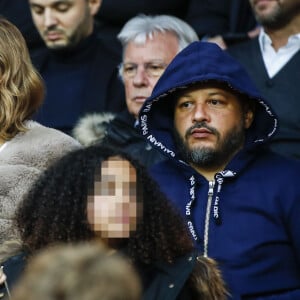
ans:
x=55 y=209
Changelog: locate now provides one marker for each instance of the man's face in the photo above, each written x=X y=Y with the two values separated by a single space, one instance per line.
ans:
x=112 y=205
x=63 y=23
x=209 y=125
x=149 y=58
x=275 y=13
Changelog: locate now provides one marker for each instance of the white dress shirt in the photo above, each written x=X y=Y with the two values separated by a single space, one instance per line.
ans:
x=275 y=60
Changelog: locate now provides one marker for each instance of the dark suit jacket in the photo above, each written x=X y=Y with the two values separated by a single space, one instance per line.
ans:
x=282 y=92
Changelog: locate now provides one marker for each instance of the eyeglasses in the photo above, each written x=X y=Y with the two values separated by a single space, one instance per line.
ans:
x=152 y=69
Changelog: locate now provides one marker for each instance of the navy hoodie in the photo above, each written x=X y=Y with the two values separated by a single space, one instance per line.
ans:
x=247 y=218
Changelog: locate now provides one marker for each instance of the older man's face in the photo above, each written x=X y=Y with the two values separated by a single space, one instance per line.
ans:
x=143 y=65
x=63 y=23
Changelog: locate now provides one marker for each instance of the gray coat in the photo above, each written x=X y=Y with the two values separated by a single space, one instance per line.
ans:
x=22 y=159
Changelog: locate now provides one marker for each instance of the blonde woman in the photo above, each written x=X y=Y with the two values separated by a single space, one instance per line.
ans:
x=26 y=147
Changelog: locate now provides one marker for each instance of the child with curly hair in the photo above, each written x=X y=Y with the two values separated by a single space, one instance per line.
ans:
x=102 y=193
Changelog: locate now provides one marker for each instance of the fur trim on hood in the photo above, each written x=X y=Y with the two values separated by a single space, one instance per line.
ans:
x=92 y=128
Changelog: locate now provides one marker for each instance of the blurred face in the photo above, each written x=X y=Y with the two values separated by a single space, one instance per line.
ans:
x=209 y=125
x=143 y=65
x=63 y=23
x=112 y=206
x=275 y=13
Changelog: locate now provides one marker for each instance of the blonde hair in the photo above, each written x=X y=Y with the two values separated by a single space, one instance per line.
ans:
x=87 y=270
x=21 y=86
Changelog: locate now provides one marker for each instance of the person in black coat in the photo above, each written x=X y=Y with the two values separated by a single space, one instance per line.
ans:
x=78 y=67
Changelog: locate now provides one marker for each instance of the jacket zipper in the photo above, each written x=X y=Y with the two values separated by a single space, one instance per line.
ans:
x=211 y=185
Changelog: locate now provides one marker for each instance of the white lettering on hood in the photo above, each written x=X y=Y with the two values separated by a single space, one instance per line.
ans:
x=153 y=140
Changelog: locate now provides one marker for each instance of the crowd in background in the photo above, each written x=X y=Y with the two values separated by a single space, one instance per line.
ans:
x=151 y=146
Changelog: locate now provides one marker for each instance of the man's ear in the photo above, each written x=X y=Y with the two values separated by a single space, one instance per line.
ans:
x=248 y=118
x=94 y=6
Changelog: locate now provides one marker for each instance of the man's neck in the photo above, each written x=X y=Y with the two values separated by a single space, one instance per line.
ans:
x=209 y=174
x=76 y=49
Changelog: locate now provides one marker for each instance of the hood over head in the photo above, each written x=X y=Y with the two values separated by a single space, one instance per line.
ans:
x=201 y=62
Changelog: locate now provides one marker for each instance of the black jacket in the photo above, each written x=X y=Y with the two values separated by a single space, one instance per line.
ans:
x=118 y=131
x=91 y=65
x=168 y=281
x=13 y=268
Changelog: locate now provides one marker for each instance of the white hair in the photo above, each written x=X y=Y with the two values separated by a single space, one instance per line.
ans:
x=141 y=27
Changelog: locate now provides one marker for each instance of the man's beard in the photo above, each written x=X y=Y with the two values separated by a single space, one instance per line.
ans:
x=210 y=157
x=278 y=18
x=72 y=40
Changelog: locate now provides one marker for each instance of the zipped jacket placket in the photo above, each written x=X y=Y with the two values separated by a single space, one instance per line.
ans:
x=210 y=194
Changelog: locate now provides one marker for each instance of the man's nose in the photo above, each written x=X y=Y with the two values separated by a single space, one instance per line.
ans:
x=200 y=113
x=49 y=18
x=141 y=77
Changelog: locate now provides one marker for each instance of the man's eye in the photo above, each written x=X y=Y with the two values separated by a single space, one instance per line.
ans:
x=186 y=104
x=155 y=67
x=37 y=10
x=129 y=69
x=215 y=102
x=62 y=7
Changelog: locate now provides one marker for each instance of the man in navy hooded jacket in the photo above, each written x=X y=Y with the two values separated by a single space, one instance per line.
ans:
x=241 y=202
